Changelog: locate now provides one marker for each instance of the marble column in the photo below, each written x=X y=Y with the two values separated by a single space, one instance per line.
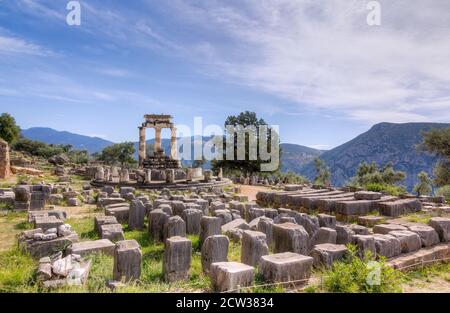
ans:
x=157 y=146
x=173 y=143
x=142 y=147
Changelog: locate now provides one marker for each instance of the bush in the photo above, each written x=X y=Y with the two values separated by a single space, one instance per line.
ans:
x=353 y=274
x=444 y=191
x=388 y=189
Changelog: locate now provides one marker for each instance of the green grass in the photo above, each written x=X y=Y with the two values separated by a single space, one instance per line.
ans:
x=17 y=272
x=427 y=273
x=84 y=228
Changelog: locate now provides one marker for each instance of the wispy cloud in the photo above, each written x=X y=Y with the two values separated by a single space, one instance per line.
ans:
x=14 y=46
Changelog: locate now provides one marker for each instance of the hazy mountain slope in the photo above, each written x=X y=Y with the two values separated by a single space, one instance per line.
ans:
x=79 y=142
x=294 y=157
x=383 y=143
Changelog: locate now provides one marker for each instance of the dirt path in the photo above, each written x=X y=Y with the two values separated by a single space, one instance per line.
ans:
x=251 y=191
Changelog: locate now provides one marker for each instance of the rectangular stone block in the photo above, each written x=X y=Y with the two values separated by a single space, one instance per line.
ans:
x=177 y=259
x=84 y=248
x=285 y=267
x=227 y=276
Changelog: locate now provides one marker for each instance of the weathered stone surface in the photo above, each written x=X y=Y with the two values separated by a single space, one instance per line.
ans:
x=387 y=245
x=325 y=254
x=217 y=205
x=227 y=276
x=289 y=237
x=285 y=267
x=409 y=241
x=255 y=213
x=442 y=227
x=400 y=207
x=136 y=215
x=103 y=220
x=324 y=235
x=238 y=223
x=177 y=259
x=44 y=271
x=127 y=261
x=121 y=213
x=39 y=249
x=370 y=220
x=254 y=245
x=156 y=220
x=427 y=234
x=175 y=226
x=224 y=215
x=214 y=249
x=178 y=207
x=209 y=226
x=104 y=202
x=365 y=244
x=192 y=217
x=344 y=234
x=368 y=195
x=84 y=248
x=326 y=220
x=359 y=230
x=265 y=225
x=387 y=228
x=421 y=258
x=47 y=222
x=112 y=232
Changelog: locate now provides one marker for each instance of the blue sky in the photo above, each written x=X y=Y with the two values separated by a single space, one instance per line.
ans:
x=313 y=67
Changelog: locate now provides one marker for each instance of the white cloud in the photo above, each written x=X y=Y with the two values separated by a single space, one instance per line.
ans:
x=13 y=46
x=323 y=55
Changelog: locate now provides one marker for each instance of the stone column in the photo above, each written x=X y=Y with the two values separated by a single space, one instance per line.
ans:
x=142 y=147
x=157 y=146
x=5 y=169
x=173 y=143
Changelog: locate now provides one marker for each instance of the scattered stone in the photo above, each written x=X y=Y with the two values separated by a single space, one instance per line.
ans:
x=427 y=234
x=103 y=220
x=192 y=217
x=156 y=220
x=127 y=261
x=325 y=254
x=365 y=244
x=265 y=225
x=344 y=234
x=84 y=248
x=289 y=237
x=47 y=222
x=175 y=226
x=324 y=235
x=136 y=215
x=177 y=259
x=370 y=221
x=112 y=232
x=209 y=226
x=214 y=249
x=238 y=223
x=227 y=276
x=254 y=245
x=285 y=267
x=387 y=245
x=368 y=195
x=387 y=228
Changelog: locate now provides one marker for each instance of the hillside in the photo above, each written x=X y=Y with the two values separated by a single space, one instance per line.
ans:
x=294 y=157
x=79 y=142
x=383 y=143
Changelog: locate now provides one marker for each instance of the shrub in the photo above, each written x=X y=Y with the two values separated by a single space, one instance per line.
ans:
x=352 y=274
x=444 y=191
x=389 y=189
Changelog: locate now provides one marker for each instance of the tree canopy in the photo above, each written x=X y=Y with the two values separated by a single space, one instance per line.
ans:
x=121 y=153
x=246 y=166
x=9 y=131
x=437 y=142
x=323 y=175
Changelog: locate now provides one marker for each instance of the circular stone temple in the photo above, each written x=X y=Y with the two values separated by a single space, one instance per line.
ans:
x=158 y=170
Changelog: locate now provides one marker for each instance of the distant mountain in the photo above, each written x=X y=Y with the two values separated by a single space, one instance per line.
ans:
x=79 y=142
x=383 y=143
x=294 y=157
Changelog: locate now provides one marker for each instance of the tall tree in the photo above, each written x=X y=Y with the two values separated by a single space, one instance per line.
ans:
x=424 y=186
x=323 y=175
x=437 y=142
x=9 y=131
x=246 y=166
x=121 y=153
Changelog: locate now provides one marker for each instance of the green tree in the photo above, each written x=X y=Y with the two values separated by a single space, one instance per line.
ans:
x=424 y=186
x=323 y=175
x=246 y=166
x=437 y=142
x=121 y=153
x=9 y=131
